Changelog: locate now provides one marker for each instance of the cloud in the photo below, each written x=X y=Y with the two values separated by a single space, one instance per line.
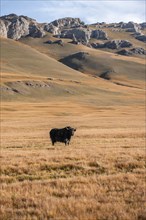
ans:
x=94 y=11
x=90 y=11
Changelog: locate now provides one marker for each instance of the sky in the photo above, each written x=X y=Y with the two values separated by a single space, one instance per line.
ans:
x=89 y=11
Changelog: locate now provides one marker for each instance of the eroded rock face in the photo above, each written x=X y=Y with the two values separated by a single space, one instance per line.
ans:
x=19 y=27
x=99 y=34
x=59 y=42
x=67 y=23
x=131 y=26
x=52 y=29
x=3 y=28
x=114 y=44
x=133 y=51
x=141 y=38
x=124 y=52
x=82 y=35
x=57 y=26
x=36 y=31
x=143 y=25
x=15 y=27
x=97 y=45
x=138 y=50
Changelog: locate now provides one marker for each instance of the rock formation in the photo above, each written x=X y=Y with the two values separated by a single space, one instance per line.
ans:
x=52 y=29
x=143 y=25
x=59 y=42
x=81 y=34
x=133 y=51
x=124 y=52
x=15 y=27
x=131 y=26
x=141 y=37
x=114 y=44
x=68 y=23
x=99 y=34
x=74 y=40
x=138 y=50
x=3 y=28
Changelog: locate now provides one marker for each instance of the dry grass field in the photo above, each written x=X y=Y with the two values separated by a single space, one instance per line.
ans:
x=101 y=174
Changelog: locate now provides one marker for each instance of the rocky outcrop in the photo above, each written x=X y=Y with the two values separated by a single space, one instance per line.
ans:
x=99 y=34
x=138 y=50
x=74 y=40
x=100 y=24
x=143 y=25
x=18 y=27
x=114 y=44
x=59 y=42
x=52 y=29
x=133 y=51
x=124 y=52
x=141 y=38
x=98 y=45
x=57 y=26
x=15 y=27
x=68 y=23
x=131 y=26
x=82 y=35
x=36 y=31
x=3 y=28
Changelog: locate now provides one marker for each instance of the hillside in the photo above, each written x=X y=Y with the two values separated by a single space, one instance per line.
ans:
x=27 y=73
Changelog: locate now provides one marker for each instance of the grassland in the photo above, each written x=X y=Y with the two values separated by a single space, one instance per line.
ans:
x=101 y=174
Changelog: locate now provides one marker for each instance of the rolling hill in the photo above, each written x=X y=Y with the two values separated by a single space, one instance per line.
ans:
x=27 y=73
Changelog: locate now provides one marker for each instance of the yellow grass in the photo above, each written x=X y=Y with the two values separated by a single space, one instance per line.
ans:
x=100 y=175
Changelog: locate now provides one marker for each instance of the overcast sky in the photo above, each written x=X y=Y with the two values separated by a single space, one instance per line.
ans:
x=90 y=11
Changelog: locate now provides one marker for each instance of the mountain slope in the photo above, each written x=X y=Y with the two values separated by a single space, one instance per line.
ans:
x=112 y=69
x=117 y=68
x=21 y=59
x=30 y=75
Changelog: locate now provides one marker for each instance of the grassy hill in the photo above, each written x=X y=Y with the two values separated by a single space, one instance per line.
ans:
x=21 y=59
x=127 y=70
x=29 y=73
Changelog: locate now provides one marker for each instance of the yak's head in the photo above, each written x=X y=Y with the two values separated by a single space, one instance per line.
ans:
x=71 y=130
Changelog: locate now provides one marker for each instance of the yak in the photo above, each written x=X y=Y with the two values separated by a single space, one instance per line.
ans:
x=61 y=135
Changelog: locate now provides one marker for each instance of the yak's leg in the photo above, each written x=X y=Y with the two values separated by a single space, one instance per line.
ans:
x=66 y=142
x=53 y=142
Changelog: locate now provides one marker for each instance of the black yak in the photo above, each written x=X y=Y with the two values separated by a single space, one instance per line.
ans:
x=61 y=135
